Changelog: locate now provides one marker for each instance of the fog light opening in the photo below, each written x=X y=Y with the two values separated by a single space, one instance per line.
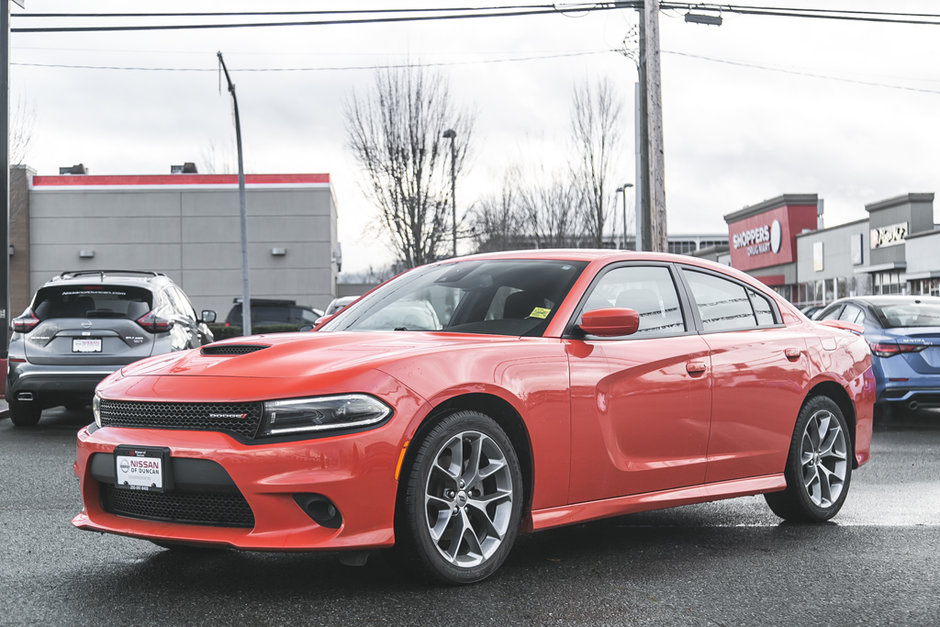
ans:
x=320 y=509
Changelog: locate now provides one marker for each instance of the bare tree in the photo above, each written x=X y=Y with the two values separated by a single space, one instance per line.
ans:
x=595 y=126
x=551 y=212
x=395 y=132
x=215 y=160
x=497 y=222
x=22 y=121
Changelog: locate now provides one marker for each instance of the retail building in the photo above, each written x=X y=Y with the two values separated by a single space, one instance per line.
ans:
x=894 y=250
x=185 y=225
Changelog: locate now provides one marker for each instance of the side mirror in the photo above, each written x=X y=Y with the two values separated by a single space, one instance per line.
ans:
x=610 y=322
x=208 y=316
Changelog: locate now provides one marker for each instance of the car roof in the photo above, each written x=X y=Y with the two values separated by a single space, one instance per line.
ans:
x=890 y=299
x=603 y=256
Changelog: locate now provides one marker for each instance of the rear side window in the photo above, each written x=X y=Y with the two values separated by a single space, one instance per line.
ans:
x=725 y=305
x=92 y=301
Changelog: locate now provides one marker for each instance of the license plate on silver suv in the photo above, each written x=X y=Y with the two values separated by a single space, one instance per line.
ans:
x=86 y=344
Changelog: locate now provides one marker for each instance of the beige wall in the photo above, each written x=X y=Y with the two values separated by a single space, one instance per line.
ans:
x=194 y=236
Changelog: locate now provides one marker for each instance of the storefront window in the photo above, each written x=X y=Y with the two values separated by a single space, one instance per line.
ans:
x=887 y=283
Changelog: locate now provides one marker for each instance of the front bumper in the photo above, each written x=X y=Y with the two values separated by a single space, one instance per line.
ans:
x=355 y=472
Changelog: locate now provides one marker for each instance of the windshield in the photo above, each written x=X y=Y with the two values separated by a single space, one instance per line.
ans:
x=910 y=315
x=498 y=297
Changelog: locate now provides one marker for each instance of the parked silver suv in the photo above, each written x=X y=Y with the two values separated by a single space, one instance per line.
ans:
x=82 y=326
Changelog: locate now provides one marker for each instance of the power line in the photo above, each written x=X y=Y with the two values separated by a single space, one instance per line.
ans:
x=376 y=20
x=884 y=17
x=802 y=73
x=518 y=59
x=284 y=13
x=322 y=68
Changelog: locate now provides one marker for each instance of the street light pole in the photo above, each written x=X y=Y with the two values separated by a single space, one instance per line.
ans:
x=623 y=190
x=242 y=204
x=451 y=134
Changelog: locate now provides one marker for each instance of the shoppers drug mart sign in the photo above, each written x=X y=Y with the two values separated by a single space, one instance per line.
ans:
x=760 y=240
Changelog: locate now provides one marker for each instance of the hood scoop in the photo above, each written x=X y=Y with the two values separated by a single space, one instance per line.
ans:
x=232 y=349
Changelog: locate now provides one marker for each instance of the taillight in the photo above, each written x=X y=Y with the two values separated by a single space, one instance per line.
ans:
x=890 y=349
x=154 y=323
x=25 y=323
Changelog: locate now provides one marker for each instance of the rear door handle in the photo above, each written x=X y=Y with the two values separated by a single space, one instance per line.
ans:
x=695 y=367
x=793 y=353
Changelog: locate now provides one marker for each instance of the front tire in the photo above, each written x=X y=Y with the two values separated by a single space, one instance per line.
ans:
x=819 y=465
x=463 y=500
x=24 y=414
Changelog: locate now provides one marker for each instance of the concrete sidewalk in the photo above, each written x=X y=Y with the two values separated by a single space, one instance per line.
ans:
x=4 y=409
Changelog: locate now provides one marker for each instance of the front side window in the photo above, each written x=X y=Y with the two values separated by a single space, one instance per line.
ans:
x=649 y=290
x=498 y=296
x=725 y=305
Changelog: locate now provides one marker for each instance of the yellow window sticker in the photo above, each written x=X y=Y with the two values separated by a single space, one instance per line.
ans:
x=540 y=312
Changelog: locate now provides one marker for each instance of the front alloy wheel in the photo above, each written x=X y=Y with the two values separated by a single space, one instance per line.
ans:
x=464 y=498
x=819 y=465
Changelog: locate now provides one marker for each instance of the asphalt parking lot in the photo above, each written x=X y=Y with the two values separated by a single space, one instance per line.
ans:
x=726 y=563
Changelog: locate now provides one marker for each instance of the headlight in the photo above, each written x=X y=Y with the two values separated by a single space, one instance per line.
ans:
x=322 y=413
x=96 y=409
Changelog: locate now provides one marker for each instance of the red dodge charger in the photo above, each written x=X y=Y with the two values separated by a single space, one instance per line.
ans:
x=466 y=401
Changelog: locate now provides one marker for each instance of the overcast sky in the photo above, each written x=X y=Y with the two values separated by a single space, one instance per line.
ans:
x=755 y=108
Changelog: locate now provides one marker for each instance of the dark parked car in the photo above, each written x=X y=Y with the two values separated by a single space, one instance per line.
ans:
x=286 y=315
x=82 y=326
x=904 y=335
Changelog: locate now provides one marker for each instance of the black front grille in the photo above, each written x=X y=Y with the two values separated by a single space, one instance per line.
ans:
x=232 y=349
x=240 y=419
x=195 y=508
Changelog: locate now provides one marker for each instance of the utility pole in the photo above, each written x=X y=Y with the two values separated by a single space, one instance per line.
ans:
x=643 y=236
x=451 y=134
x=652 y=180
x=243 y=207
x=5 y=167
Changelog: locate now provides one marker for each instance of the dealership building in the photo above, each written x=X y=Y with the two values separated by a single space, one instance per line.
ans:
x=894 y=250
x=184 y=224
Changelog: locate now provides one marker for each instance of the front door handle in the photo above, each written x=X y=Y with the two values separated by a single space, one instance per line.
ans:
x=793 y=353
x=695 y=367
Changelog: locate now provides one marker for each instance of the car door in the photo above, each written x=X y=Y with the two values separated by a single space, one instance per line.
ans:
x=640 y=403
x=760 y=371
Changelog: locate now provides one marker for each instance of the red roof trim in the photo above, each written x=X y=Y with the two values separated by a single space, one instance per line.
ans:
x=179 y=179
x=772 y=279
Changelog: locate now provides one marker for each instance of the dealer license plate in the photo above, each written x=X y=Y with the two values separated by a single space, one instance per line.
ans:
x=86 y=344
x=141 y=468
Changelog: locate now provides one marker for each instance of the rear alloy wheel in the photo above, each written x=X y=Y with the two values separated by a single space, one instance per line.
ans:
x=819 y=465
x=463 y=499
x=24 y=414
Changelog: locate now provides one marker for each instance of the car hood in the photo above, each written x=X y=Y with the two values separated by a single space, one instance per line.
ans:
x=297 y=355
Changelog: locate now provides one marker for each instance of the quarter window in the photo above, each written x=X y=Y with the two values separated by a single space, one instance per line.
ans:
x=725 y=305
x=649 y=290
x=851 y=313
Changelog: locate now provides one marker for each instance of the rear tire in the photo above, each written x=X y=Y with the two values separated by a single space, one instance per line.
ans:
x=463 y=500
x=819 y=465
x=24 y=414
